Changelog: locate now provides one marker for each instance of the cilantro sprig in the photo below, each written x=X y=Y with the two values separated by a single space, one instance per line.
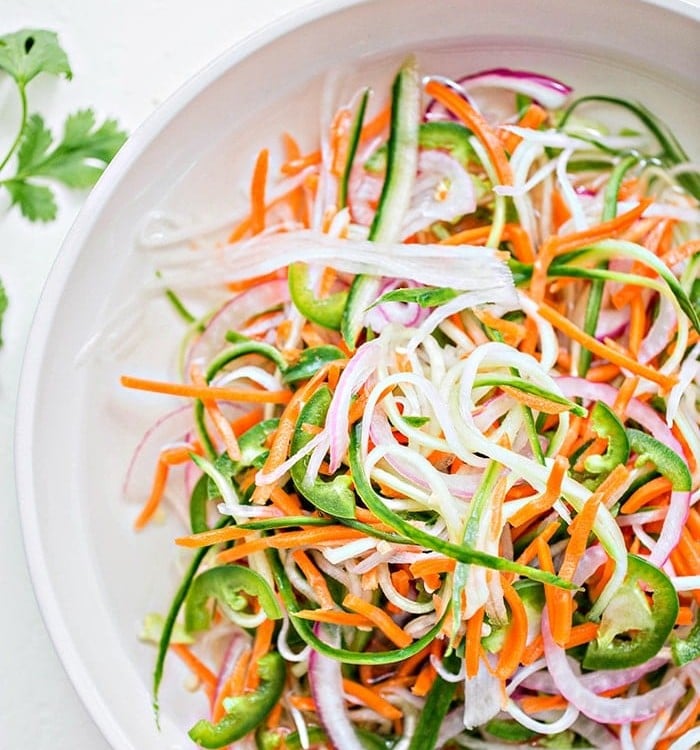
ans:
x=35 y=162
x=85 y=148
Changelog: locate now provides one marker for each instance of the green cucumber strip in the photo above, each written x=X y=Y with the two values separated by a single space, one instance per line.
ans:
x=595 y=294
x=460 y=553
x=402 y=160
x=353 y=143
x=671 y=149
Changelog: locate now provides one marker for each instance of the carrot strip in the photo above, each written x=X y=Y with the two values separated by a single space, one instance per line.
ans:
x=241 y=286
x=558 y=245
x=257 y=192
x=645 y=494
x=378 y=124
x=477 y=124
x=391 y=630
x=233 y=687
x=299 y=163
x=334 y=617
x=179 y=455
x=560 y=211
x=516 y=635
x=432 y=566
x=624 y=396
x=473 y=642
x=303 y=703
x=310 y=538
x=531 y=550
x=246 y=421
x=222 y=425
x=532 y=118
x=196 y=666
x=559 y=608
x=261 y=645
x=275 y=716
x=602 y=350
x=157 y=490
x=372 y=700
x=204 y=392
x=533 y=704
x=546 y=500
x=637 y=324
x=603 y=373
x=424 y=681
x=314 y=577
x=288 y=504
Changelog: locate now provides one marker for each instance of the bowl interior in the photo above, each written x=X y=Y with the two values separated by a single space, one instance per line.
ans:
x=77 y=429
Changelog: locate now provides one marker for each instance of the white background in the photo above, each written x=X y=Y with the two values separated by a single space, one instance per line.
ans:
x=127 y=57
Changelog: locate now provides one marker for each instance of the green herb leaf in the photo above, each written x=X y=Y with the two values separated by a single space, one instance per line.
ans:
x=81 y=156
x=422 y=295
x=36 y=202
x=3 y=307
x=26 y=53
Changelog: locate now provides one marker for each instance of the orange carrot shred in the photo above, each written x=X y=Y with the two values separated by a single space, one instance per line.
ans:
x=390 y=629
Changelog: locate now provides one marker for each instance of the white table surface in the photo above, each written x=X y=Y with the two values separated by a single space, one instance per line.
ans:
x=127 y=57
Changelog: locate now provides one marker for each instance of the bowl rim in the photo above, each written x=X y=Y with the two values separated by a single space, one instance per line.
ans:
x=59 y=274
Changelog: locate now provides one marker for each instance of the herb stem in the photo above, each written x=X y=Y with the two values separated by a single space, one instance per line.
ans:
x=15 y=143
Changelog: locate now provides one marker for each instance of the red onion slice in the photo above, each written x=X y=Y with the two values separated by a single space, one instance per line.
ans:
x=548 y=91
x=234 y=313
x=603 y=710
x=326 y=681
x=139 y=476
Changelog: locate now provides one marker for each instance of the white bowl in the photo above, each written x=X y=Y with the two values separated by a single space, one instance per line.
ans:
x=93 y=576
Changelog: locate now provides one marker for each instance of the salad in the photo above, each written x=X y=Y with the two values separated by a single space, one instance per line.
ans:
x=437 y=454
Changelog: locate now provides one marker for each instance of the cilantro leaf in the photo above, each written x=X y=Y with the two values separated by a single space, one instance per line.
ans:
x=26 y=53
x=36 y=202
x=3 y=307
x=81 y=156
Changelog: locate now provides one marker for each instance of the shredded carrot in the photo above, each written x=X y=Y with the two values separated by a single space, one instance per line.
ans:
x=390 y=629
x=257 y=192
x=180 y=455
x=603 y=373
x=375 y=126
x=533 y=704
x=303 y=703
x=275 y=716
x=532 y=118
x=432 y=566
x=624 y=396
x=196 y=666
x=261 y=645
x=309 y=538
x=472 y=651
x=222 y=425
x=424 y=680
x=211 y=537
x=656 y=488
x=204 y=392
x=560 y=211
x=602 y=350
x=158 y=488
x=516 y=636
x=371 y=699
x=409 y=666
x=637 y=324
x=559 y=607
x=314 y=577
x=241 y=286
x=546 y=500
x=246 y=421
x=477 y=124
x=288 y=504
x=560 y=244
x=530 y=552
x=334 y=617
